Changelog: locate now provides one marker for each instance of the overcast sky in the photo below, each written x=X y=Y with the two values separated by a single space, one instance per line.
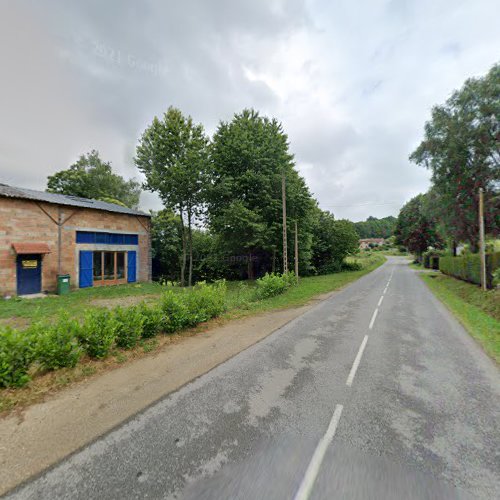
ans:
x=352 y=82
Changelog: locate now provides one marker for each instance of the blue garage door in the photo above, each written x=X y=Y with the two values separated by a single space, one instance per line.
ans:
x=29 y=274
x=131 y=267
x=86 y=268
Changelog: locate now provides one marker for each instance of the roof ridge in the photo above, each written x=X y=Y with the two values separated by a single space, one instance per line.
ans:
x=65 y=199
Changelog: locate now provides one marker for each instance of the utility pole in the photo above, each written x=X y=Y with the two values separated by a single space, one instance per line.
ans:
x=283 y=195
x=481 y=239
x=59 y=239
x=296 y=251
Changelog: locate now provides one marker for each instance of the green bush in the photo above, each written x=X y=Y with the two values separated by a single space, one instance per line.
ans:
x=129 y=322
x=189 y=307
x=16 y=355
x=351 y=266
x=56 y=345
x=153 y=320
x=206 y=301
x=98 y=332
x=274 y=284
x=290 y=278
x=468 y=267
x=176 y=314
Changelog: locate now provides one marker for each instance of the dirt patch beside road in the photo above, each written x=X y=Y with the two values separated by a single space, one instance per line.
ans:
x=47 y=432
x=132 y=300
x=15 y=322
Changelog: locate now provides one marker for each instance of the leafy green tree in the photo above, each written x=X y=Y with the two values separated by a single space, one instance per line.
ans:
x=90 y=177
x=376 y=228
x=248 y=157
x=166 y=244
x=461 y=148
x=173 y=155
x=416 y=229
x=333 y=241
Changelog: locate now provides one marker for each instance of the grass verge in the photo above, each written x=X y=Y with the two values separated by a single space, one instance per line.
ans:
x=308 y=288
x=239 y=304
x=20 y=312
x=478 y=311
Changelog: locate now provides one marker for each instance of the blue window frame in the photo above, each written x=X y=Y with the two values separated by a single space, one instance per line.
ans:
x=85 y=237
x=106 y=238
x=131 y=239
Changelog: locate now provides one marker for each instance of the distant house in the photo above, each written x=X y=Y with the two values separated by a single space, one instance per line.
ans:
x=370 y=242
x=94 y=242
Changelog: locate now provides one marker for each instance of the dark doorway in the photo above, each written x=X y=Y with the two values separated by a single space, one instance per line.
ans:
x=29 y=274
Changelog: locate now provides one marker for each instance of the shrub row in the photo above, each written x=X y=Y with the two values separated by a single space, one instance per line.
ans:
x=272 y=284
x=468 y=267
x=63 y=343
x=431 y=258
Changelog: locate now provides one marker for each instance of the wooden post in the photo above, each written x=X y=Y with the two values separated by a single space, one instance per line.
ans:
x=482 y=250
x=296 y=252
x=283 y=195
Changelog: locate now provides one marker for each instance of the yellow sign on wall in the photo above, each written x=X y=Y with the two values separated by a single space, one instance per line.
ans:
x=29 y=264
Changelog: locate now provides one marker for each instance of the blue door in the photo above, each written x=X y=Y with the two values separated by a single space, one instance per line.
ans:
x=29 y=274
x=86 y=269
x=132 y=266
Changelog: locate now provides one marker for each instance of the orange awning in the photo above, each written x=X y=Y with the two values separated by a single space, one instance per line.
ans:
x=27 y=248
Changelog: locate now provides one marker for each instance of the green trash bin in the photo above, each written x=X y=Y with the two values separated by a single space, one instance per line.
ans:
x=63 y=282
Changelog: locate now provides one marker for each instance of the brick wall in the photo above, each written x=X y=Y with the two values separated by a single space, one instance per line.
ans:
x=25 y=221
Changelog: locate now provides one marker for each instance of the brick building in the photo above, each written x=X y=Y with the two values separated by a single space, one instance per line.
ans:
x=44 y=234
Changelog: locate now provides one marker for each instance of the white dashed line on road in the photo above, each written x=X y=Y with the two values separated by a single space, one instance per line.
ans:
x=373 y=318
x=357 y=360
x=312 y=471
x=306 y=486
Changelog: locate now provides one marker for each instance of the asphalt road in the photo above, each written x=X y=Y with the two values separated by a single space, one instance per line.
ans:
x=342 y=402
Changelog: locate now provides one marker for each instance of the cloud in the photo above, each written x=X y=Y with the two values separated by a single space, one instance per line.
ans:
x=352 y=82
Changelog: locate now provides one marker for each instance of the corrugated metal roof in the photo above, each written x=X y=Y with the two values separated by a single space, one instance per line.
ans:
x=63 y=199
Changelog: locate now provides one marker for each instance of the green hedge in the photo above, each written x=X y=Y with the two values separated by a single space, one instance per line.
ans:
x=63 y=342
x=468 y=267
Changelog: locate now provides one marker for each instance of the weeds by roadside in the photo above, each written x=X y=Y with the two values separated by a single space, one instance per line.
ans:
x=477 y=310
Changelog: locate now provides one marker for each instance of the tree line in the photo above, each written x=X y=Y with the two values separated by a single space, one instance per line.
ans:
x=461 y=148
x=222 y=215
x=376 y=228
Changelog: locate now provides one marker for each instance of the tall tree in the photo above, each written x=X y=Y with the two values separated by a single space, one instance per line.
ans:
x=462 y=149
x=248 y=157
x=166 y=244
x=173 y=155
x=90 y=177
x=333 y=241
x=416 y=229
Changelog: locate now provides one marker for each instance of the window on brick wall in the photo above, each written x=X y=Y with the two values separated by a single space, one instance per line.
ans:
x=109 y=268
x=101 y=238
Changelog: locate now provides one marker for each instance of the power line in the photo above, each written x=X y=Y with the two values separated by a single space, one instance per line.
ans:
x=398 y=203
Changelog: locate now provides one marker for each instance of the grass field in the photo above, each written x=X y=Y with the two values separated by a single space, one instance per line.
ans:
x=74 y=303
x=478 y=311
